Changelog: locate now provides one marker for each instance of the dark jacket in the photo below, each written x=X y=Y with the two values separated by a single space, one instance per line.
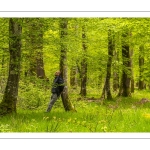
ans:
x=58 y=85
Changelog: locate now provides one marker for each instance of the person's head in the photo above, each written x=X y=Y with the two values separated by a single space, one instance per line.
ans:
x=57 y=73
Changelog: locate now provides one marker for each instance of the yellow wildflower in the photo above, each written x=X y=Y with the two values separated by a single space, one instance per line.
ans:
x=147 y=116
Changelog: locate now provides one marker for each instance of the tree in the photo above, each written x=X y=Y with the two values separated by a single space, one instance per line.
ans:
x=116 y=72
x=126 y=69
x=83 y=64
x=106 y=87
x=63 y=63
x=73 y=79
x=8 y=104
x=141 y=67
x=116 y=61
x=131 y=61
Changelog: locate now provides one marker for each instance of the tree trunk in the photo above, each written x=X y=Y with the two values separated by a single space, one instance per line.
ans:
x=9 y=101
x=63 y=63
x=109 y=62
x=83 y=64
x=141 y=69
x=126 y=72
x=100 y=78
x=73 y=80
x=132 y=73
x=116 y=72
x=40 y=65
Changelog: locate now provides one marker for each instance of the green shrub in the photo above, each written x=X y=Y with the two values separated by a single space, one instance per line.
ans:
x=32 y=96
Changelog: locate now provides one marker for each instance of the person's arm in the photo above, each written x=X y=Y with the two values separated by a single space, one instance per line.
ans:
x=61 y=84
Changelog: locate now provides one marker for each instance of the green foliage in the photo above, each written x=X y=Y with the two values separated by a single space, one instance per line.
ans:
x=33 y=96
x=5 y=128
x=97 y=42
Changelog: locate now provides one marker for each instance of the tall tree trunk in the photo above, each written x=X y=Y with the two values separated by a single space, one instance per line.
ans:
x=40 y=64
x=83 y=64
x=63 y=63
x=109 y=62
x=141 y=69
x=79 y=72
x=132 y=73
x=131 y=61
x=126 y=69
x=9 y=101
x=116 y=72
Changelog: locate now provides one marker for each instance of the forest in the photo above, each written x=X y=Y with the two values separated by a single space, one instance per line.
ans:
x=104 y=63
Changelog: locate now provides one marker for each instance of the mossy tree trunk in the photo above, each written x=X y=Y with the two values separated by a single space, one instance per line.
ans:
x=8 y=104
x=116 y=72
x=106 y=88
x=131 y=61
x=141 y=67
x=116 y=60
x=83 y=75
x=125 y=89
x=63 y=63
x=132 y=73
x=73 y=79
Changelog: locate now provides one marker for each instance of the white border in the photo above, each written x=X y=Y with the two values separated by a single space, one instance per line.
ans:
x=75 y=141
x=74 y=135
x=76 y=8
x=74 y=5
x=72 y=14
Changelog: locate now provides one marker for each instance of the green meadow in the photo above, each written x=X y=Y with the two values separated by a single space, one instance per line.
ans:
x=117 y=115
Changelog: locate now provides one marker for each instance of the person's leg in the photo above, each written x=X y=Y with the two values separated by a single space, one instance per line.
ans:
x=52 y=101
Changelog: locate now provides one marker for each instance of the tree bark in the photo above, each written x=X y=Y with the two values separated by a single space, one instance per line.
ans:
x=73 y=79
x=126 y=69
x=63 y=63
x=109 y=62
x=83 y=91
x=132 y=73
x=9 y=101
x=116 y=72
x=141 y=69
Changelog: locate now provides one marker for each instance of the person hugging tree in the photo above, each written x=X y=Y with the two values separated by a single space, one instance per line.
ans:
x=57 y=88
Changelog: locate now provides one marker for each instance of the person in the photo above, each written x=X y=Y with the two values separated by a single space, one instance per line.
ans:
x=57 y=88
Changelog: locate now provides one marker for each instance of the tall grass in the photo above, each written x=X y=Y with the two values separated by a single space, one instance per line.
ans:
x=90 y=117
x=118 y=115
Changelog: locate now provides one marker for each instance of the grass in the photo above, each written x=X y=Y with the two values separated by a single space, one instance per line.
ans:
x=119 y=115
x=94 y=121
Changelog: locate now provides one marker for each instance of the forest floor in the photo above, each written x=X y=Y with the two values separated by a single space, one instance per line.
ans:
x=131 y=114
